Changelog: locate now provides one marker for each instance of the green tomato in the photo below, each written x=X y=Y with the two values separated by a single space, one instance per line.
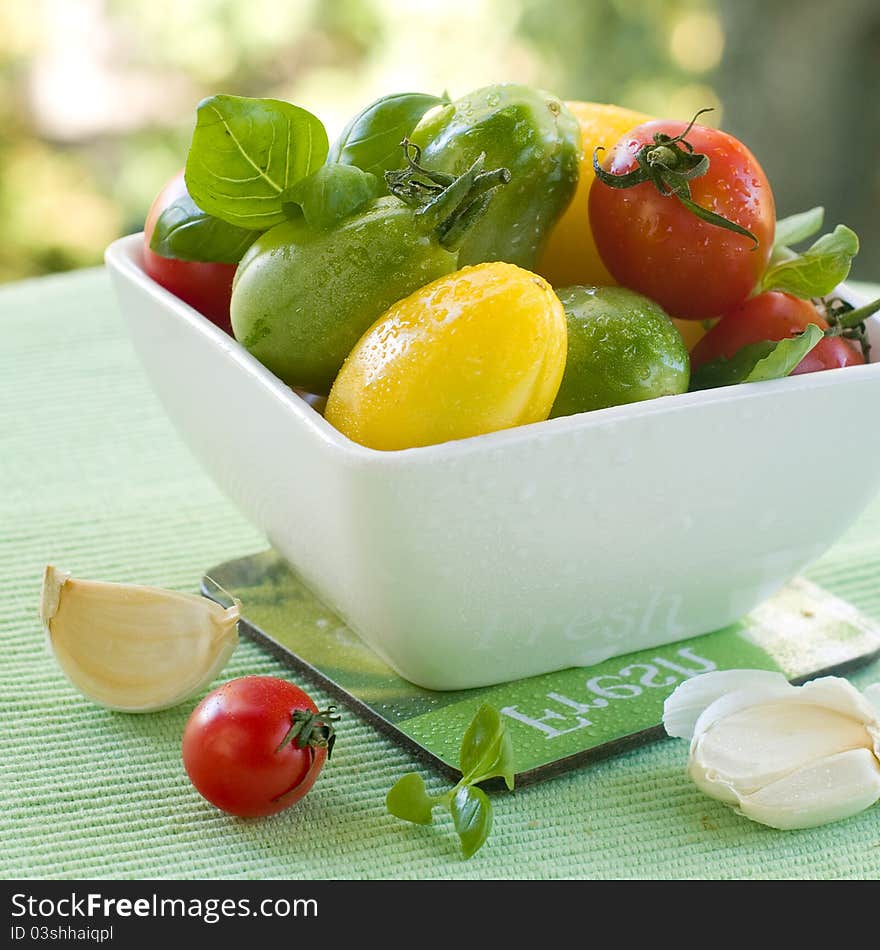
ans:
x=303 y=297
x=309 y=288
x=622 y=348
x=531 y=133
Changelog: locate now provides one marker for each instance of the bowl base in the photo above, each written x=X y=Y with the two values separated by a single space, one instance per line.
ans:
x=558 y=721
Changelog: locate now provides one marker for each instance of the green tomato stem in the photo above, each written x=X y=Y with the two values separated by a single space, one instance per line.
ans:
x=850 y=319
x=449 y=206
x=850 y=324
x=311 y=730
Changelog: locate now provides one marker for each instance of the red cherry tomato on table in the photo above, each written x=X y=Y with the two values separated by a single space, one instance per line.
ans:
x=205 y=286
x=774 y=316
x=255 y=745
x=652 y=243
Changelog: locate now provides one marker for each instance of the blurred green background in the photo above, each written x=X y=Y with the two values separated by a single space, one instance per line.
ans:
x=98 y=97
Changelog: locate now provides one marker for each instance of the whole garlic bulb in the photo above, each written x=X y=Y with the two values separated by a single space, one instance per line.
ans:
x=782 y=755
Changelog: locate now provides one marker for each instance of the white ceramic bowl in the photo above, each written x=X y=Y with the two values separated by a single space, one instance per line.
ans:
x=524 y=551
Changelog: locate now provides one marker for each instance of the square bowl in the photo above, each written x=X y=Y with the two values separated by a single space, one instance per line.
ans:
x=528 y=550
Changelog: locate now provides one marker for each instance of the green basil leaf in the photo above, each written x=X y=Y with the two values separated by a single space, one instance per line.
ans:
x=818 y=270
x=247 y=153
x=798 y=227
x=185 y=232
x=472 y=816
x=332 y=193
x=407 y=799
x=767 y=359
x=371 y=140
x=486 y=748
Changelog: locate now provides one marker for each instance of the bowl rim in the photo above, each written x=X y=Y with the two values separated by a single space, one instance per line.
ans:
x=123 y=256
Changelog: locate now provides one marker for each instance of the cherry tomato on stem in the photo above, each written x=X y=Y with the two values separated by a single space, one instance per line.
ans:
x=683 y=214
x=256 y=745
x=775 y=316
x=205 y=286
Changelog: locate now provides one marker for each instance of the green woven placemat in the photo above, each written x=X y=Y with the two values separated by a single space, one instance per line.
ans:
x=94 y=479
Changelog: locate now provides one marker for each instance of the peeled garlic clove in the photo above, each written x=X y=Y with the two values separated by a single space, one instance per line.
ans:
x=829 y=789
x=694 y=696
x=762 y=744
x=786 y=756
x=834 y=692
x=135 y=648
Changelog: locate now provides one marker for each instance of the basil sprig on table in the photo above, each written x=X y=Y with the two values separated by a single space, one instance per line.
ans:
x=486 y=752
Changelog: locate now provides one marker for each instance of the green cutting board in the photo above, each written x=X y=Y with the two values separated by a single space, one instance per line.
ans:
x=557 y=720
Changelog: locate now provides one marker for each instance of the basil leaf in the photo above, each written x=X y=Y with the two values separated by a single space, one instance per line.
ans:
x=407 y=799
x=472 y=817
x=767 y=359
x=486 y=749
x=818 y=270
x=371 y=140
x=332 y=193
x=247 y=153
x=798 y=227
x=185 y=232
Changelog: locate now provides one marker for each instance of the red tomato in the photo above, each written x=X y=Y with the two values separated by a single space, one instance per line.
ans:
x=206 y=287
x=234 y=747
x=651 y=243
x=774 y=316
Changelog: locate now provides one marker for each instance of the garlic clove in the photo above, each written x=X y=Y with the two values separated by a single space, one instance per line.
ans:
x=758 y=694
x=786 y=756
x=835 y=692
x=872 y=692
x=693 y=696
x=829 y=789
x=759 y=745
x=135 y=648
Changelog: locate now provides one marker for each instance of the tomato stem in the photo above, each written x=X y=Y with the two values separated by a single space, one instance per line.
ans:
x=851 y=319
x=848 y=322
x=670 y=164
x=450 y=205
x=308 y=729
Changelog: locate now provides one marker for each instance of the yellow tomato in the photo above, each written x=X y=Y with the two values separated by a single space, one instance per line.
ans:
x=570 y=256
x=475 y=351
